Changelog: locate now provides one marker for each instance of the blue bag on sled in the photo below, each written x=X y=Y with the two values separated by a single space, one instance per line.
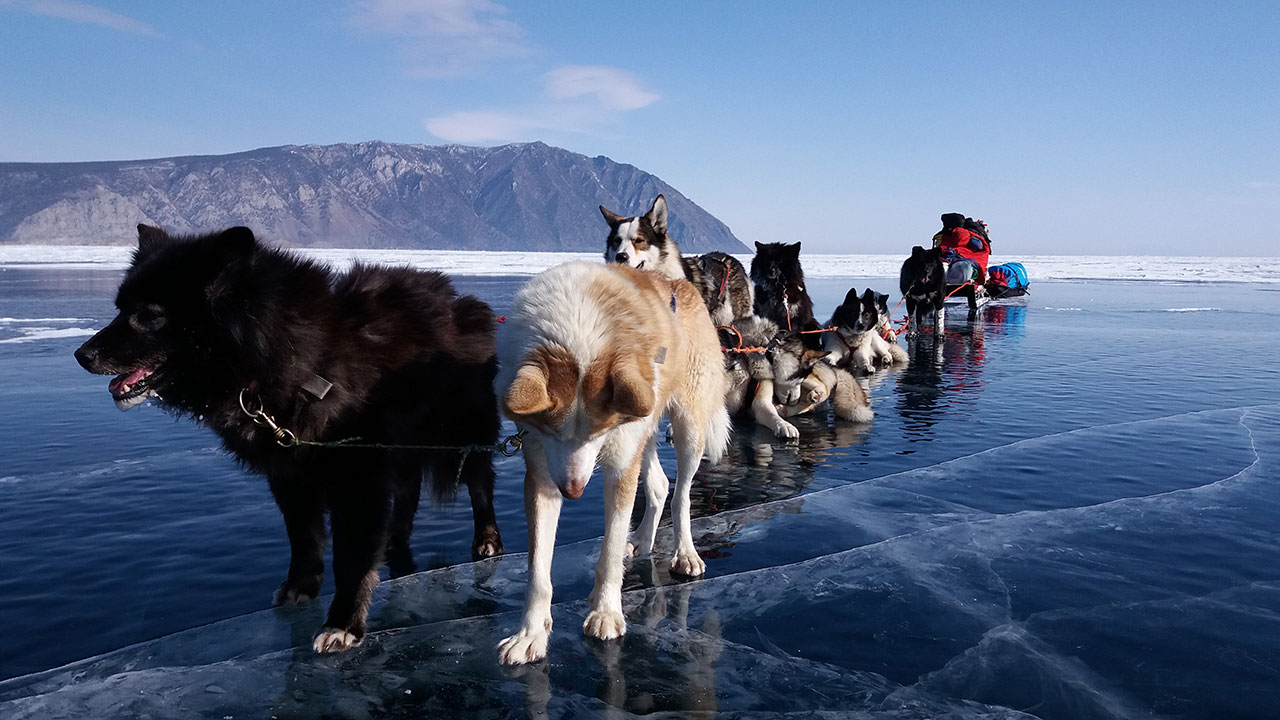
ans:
x=1007 y=280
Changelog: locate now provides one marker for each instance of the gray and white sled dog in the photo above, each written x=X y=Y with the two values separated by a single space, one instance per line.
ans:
x=805 y=380
x=643 y=243
x=752 y=376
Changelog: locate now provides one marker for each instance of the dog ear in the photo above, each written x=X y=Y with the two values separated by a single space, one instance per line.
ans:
x=917 y=251
x=794 y=248
x=528 y=393
x=851 y=297
x=869 y=296
x=611 y=217
x=150 y=238
x=759 y=246
x=657 y=215
x=239 y=239
x=631 y=393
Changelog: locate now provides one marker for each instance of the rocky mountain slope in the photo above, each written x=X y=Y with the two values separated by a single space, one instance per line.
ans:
x=515 y=197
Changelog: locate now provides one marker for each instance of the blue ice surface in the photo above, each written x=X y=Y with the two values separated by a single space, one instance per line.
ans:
x=1065 y=508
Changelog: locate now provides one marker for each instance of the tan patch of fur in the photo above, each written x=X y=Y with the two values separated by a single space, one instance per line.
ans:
x=544 y=388
x=643 y=324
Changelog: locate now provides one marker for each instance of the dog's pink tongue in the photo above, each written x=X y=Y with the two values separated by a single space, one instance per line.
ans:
x=129 y=378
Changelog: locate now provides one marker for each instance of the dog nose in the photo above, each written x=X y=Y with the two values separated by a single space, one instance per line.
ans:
x=621 y=258
x=86 y=356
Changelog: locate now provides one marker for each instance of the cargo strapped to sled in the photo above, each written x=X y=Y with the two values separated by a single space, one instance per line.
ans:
x=1010 y=275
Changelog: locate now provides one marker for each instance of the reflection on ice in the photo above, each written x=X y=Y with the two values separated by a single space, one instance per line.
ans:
x=911 y=595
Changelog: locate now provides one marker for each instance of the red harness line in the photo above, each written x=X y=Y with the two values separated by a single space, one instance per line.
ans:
x=739 y=348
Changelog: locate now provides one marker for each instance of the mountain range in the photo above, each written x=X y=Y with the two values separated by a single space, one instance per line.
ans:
x=526 y=196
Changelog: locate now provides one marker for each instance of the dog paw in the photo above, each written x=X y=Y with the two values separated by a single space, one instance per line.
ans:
x=784 y=429
x=486 y=544
x=816 y=396
x=525 y=646
x=332 y=640
x=688 y=563
x=294 y=593
x=604 y=624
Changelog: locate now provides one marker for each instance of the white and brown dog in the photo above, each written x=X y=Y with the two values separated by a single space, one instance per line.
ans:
x=593 y=357
x=642 y=242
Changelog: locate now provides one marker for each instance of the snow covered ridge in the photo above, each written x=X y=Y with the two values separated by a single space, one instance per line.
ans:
x=816 y=265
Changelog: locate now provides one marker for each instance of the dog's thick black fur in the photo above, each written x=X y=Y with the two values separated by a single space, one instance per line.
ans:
x=387 y=355
x=780 y=295
x=923 y=282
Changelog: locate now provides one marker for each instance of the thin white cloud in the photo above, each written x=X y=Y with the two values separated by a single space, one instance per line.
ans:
x=578 y=99
x=82 y=13
x=443 y=37
x=1264 y=185
x=479 y=127
x=612 y=88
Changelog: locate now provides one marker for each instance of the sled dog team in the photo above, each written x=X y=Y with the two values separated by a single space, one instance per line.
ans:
x=333 y=386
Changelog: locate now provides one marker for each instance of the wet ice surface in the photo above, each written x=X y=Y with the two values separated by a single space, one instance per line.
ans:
x=1065 y=508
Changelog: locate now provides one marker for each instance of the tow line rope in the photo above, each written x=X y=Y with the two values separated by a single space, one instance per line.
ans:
x=286 y=438
x=740 y=349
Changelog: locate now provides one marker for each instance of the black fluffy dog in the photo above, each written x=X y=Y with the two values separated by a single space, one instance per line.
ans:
x=923 y=282
x=217 y=324
x=779 y=289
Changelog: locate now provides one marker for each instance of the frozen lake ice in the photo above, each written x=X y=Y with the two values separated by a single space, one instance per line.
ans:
x=1064 y=509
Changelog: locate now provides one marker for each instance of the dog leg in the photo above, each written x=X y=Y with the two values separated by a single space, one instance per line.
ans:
x=477 y=473
x=408 y=494
x=304 y=523
x=656 y=486
x=604 y=616
x=813 y=392
x=359 y=518
x=863 y=357
x=689 y=441
x=542 y=509
x=767 y=415
x=408 y=491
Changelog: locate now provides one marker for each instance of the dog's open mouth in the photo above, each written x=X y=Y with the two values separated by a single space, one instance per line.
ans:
x=132 y=388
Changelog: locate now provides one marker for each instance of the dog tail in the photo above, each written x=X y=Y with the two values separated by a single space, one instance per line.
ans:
x=717 y=434
x=899 y=355
x=850 y=400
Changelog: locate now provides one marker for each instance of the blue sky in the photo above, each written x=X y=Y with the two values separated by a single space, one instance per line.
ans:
x=1117 y=128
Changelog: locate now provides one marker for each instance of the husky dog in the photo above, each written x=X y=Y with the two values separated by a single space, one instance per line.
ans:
x=642 y=242
x=748 y=342
x=803 y=380
x=923 y=282
x=228 y=331
x=594 y=356
x=828 y=382
x=854 y=340
x=885 y=325
x=779 y=288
